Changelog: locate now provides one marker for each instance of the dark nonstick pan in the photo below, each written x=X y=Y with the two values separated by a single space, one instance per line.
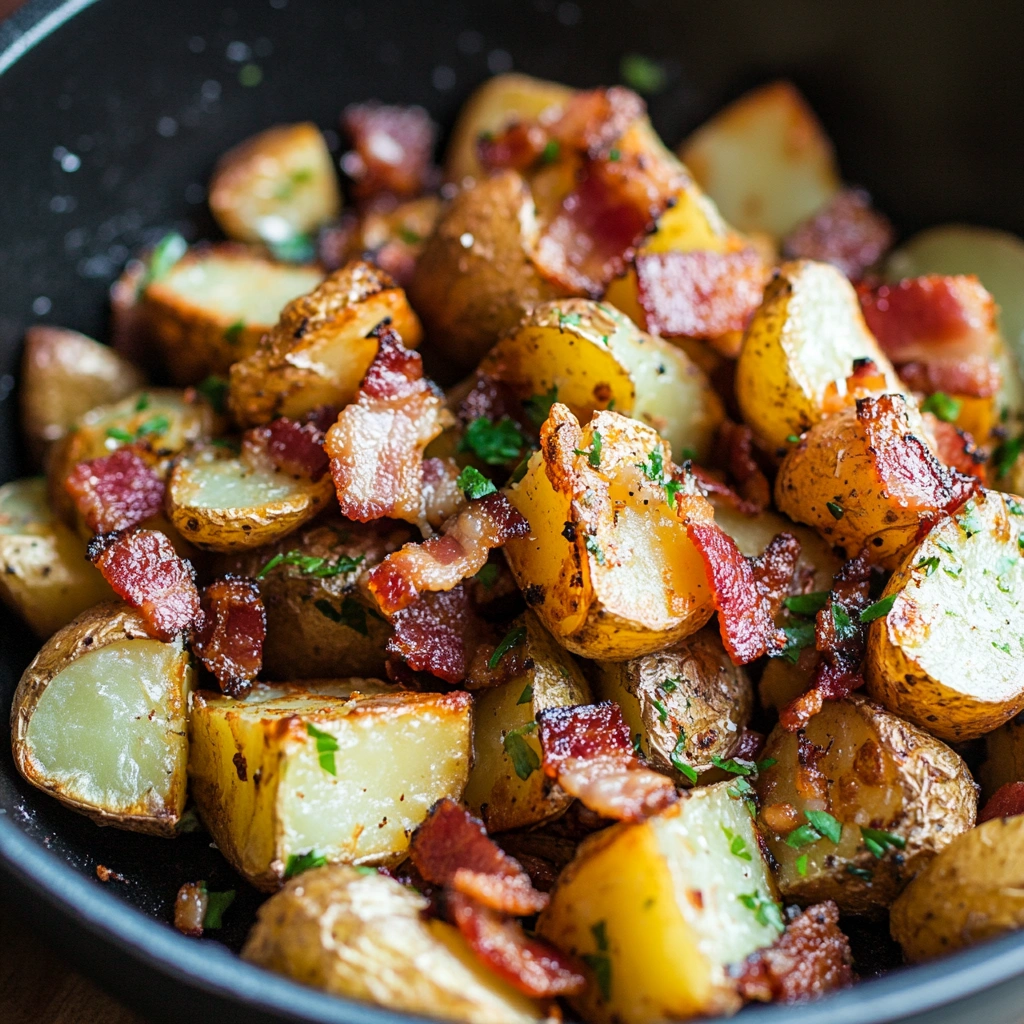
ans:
x=111 y=116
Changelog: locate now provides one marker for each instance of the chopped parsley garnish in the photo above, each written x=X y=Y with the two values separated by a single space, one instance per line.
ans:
x=593 y=453
x=843 y=624
x=493 y=443
x=216 y=904
x=352 y=614
x=488 y=575
x=165 y=254
x=737 y=844
x=142 y=402
x=600 y=963
x=878 y=841
x=1005 y=648
x=614 y=155
x=928 y=565
x=653 y=466
x=523 y=757
x=512 y=637
x=319 y=568
x=943 y=546
x=154 y=425
x=297 y=249
x=572 y=319
x=527 y=695
x=798 y=637
x=801 y=865
x=299 y=862
x=644 y=74
x=215 y=390
x=802 y=835
x=326 y=747
x=733 y=766
x=637 y=745
x=474 y=484
x=233 y=334
x=591 y=544
x=807 y=604
x=825 y=824
x=743 y=790
x=1014 y=507
x=881 y=608
x=861 y=873
x=119 y=434
x=942 y=405
x=970 y=520
x=550 y=152
x=765 y=763
x=661 y=709
x=766 y=911
x=409 y=236
x=669 y=685
x=835 y=508
x=792 y=438
x=684 y=769
x=1004 y=457
x=538 y=407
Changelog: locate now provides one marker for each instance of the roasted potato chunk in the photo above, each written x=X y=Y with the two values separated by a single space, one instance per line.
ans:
x=799 y=349
x=1005 y=757
x=972 y=891
x=364 y=936
x=947 y=653
x=591 y=357
x=608 y=566
x=685 y=704
x=64 y=374
x=212 y=307
x=277 y=775
x=661 y=909
x=856 y=819
x=98 y=721
x=47 y=579
x=765 y=160
x=275 y=185
x=506 y=787
x=320 y=349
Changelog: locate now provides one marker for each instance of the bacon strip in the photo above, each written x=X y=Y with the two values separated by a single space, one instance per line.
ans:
x=811 y=958
x=956 y=448
x=116 y=491
x=143 y=569
x=699 y=294
x=392 y=149
x=376 y=446
x=443 y=562
x=589 y=752
x=229 y=641
x=292 y=446
x=1006 y=802
x=736 y=441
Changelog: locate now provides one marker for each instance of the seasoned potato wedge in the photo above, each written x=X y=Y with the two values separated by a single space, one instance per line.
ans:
x=898 y=795
x=972 y=891
x=277 y=775
x=1005 y=757
x=98 y=721
x=595 y=358
x=506 y=787
x=364 y=936
x=475 y=278
x=64 y=374
x=800 y=348
x=320 y=349
x=275 y=185
x=661 y=909
x=46 y=577
x=494 y=106
x=221 y=502
x=765 y=160
x=685 y=704
x=319 y=624
x=947 y=654
x=212 y=307
x=608 y=566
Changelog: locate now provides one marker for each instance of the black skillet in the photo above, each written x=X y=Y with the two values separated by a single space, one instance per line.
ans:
x=111 y=116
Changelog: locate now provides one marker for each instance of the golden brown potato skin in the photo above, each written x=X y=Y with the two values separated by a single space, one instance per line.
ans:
x=972 y=891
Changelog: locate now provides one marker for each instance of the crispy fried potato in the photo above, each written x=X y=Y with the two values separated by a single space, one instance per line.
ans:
x=286 y=771
x=608 y=565
x=972 y=891
x=595 y=358
x=1004 y=762
x=475 y=278
x=661 y=909
x=320 y=349
x=800 y=348
x=212 y=307
x=365 y=936
x=947 y=654
x=222 y=502
x=64 y=374
x=275 y=185
x=765 y=160
x=98 y=721
x=685 y=704
x=506 y=787
x=884 y=781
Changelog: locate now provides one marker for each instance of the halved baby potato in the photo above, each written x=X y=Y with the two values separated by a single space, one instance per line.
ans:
x=222 y=502
x=892 y=795
x=365 y=936
x=99 y=721
x=660 y=910
x=506 y=787
x=342 y=769
x=608 y=565
x=275 y=185
x=320 y=349
x=46 y=577
x=947 y=654
x=684 y=705
x=799 y=349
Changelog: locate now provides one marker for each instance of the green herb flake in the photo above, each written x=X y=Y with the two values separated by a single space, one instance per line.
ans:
x=474 y=484
x=593 y=453
x=661 y=709
x=550 y=152
x=488 y=575
x=653 y=467
x=942 y=405
x=766 y=911
x=1006 y=455
x=572 y=319
x=798 y=637
x=970 y=520
x=1014 y=507
x=165 y=254
x=215 y=390
x=296 y=249
x=862 y=873
x=351 y=614
x=309 y=565
x=825 y=824
x=233 y=334
x=844 y=627
x=119 y=434
x=928 y=565
x=1005 y=648
x=765 y=763
x=807 y=604
x=409 y=236
x=881 y=608
x=216 y=904
x=737 y=844
x=600 y=963
x=527 y=695
x=538 y=407
x=684 y=769
x=802 y=835
x=493 y=443
x=733 y=766
x=644 y=74
x=793 y=439
x=801 y=865
x=835 y=508
x=943 y=546
x=614 y=155
x=878 y=841
x=524 y=758
x=154 y=425
x=142 y=402
x=591 y=544
x=512 y=637
x=637 y=745
x=299 y=862
x=326 y=747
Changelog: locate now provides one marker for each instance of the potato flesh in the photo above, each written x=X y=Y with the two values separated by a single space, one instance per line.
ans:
x=666 y=895
x=109 y=730
x=221 y=483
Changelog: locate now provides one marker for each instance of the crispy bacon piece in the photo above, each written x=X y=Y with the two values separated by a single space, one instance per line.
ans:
x=392 y=149
x=116 y=491
x=956 y=448
x=443 y=562
x=589 y=752
x=442 y=497
x=811 y=958
x=292 y=446
x=748 y=745
x=736 y=441
x=974 y=377
x=452 y=848
x=229 y=640
x=699 y=294
x=847 y=232
x=1006 y=802
x=144 y=569
x=519 y=146
x=811 y=781
x=711 y=485
x=376 y=446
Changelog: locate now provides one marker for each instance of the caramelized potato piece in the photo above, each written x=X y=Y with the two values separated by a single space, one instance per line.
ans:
x=1004 y=749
